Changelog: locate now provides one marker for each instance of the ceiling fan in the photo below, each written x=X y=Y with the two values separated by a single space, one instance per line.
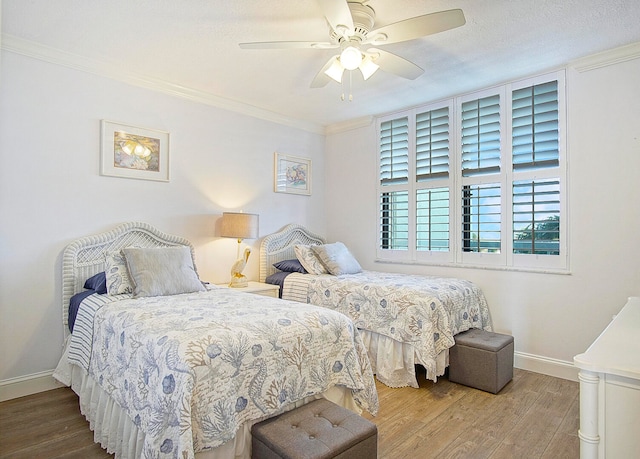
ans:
x=351 y=30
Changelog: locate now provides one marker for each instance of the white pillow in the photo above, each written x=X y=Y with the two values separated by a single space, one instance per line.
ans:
x=337 y=258
x=162 y=271
x=308 y=260
x=117 y=274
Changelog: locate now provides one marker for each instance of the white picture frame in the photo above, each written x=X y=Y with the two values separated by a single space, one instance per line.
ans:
x=134 y=152
x=292 y=174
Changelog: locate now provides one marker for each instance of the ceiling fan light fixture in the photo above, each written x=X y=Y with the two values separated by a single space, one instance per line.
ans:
x=335 y=71
x=368 y=67
x=351 y=58
x=352 y=30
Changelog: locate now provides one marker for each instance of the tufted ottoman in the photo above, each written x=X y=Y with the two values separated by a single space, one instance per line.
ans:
x=481 y=359
x=318 y=430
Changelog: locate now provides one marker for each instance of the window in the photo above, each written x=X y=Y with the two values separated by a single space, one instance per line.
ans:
x=535 y=126
x=481 y=136
x=481 y=218
x=394 y=171
x=414 y=185
x=432 y=219
x=477 y=180
x=536 y=217
x=394 y=227
x=394 y=151
x=432 y=144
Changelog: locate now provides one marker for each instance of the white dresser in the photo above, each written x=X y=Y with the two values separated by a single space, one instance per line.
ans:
x=610 y=389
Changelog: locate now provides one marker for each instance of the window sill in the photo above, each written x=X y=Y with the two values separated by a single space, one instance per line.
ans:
x=557 y=271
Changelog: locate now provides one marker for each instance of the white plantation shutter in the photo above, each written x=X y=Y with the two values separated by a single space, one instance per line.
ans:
x=535 y=146
x=394 y=220
x=394 y=151
x=477 y=180
x=432 y=144
x=481 y=136
x=536 y=217
x=432 y=219
x=481 y=218
x=535 y=126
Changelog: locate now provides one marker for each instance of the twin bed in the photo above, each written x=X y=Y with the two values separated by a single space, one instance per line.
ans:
x=404 y=320
x=172 y=367
x=185 y=373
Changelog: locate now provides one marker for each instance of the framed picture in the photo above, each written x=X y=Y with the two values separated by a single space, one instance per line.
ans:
x=292 y=174
x=134 y=152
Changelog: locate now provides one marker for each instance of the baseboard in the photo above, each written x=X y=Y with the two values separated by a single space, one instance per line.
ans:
x=546 y=366
x=27 y=385
x=40 y=382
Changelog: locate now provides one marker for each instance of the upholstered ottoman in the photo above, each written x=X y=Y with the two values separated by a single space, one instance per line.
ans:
x=318 y=430
x=481 y=359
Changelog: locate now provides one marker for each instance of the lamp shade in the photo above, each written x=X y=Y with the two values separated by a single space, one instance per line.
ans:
x=368 y=67
x=335 y=71
x=239 y=225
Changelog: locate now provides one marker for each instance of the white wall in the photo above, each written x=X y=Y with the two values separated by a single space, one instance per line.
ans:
x=51 y=191
x=552 y=317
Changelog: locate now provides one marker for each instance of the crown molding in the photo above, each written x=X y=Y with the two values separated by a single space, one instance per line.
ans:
x=349 y=125
x=606 y=58
x=59 y=57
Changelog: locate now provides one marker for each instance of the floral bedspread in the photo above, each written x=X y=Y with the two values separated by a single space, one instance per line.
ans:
x=190 y=369
x=425 y=312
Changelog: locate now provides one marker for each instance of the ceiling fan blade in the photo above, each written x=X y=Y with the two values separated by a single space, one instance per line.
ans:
x=287 y=45
x=417 y=27
x=321 y=79
x=395 y=64
x=338 y=15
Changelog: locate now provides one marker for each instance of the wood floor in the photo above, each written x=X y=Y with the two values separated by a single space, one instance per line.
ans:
x=534 y=416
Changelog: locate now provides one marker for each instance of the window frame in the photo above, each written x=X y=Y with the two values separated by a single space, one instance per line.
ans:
x=542 y=262
x=480 y=258
x=455 y=182
x=412 y=254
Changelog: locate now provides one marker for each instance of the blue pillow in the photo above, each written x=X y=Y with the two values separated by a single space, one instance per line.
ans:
x=290 y=266
x=277 y=279
x=97 y=283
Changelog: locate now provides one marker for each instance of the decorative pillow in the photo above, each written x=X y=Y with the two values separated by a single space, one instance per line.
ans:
x=97 y=282
x=337 y=258
x=276 y=278
x=290 y=266
x=308 y=259
x=162 y=271
x=117 y=274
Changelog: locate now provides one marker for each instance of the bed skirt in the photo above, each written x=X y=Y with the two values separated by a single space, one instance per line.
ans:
x=394 y=362
x=114 y=431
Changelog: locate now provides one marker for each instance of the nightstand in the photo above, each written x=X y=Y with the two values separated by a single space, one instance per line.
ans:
x=258 y=288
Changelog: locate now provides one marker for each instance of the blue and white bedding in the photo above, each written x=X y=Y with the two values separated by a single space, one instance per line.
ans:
x=81 y=324
x=189 y=369
x=424 y=312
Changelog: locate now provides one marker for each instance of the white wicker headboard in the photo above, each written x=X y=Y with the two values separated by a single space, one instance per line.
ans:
x=279 y=246
x=86 y=256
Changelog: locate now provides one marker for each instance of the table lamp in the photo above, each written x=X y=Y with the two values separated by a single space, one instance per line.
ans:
x=240 y=226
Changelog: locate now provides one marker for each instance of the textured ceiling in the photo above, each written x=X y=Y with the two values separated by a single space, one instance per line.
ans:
x=194 y=44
